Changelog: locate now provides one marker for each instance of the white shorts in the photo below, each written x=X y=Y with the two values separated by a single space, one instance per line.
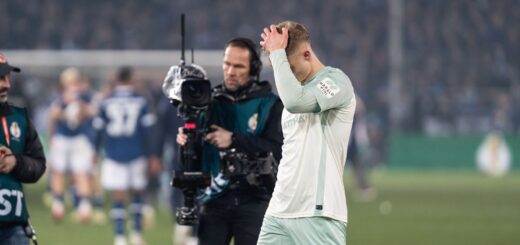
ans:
x=305 y=230
x=73 y=154
x=117 y=176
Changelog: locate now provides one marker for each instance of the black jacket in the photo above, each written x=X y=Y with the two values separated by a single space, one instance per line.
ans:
x=30 y=165
x=271 y=138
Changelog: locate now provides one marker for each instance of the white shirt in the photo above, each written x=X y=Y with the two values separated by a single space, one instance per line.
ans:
x=310 y=174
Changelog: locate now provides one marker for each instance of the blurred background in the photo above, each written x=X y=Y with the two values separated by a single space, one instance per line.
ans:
x=439 y=79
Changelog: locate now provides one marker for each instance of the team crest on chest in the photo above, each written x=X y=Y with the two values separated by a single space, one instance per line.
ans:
x=15 y=130
x=252 y=122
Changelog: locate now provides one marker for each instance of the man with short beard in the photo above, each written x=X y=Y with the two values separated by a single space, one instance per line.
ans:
x=22 y=160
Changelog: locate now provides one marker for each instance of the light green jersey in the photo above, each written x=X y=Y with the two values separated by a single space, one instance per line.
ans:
x=310 y=174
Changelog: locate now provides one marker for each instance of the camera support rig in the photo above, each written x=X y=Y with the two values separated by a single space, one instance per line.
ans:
x=192 y=177
x=189 y=90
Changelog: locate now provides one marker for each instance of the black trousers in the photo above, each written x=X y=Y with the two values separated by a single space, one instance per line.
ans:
x=237 y=215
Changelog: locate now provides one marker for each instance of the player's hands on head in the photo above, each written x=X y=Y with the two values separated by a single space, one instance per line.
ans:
x=273 y=40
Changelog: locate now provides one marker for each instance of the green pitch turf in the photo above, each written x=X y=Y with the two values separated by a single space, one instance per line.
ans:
x=438 y=208
x=411 y=208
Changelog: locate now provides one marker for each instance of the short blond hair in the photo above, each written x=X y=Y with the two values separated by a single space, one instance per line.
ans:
x=70 y=76
x=297 y=34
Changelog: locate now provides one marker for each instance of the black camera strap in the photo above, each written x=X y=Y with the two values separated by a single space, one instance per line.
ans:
x=30 y=232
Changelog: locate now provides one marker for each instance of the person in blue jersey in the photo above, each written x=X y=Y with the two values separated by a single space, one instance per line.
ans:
x=22 y=160
x=70 y=143
x=125 y=125
x=244 y=117
x=309 y=204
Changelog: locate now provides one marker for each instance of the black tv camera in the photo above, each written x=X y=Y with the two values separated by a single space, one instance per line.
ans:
x=189 y=90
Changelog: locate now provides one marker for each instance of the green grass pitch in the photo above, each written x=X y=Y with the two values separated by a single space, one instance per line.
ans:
x=411 y=208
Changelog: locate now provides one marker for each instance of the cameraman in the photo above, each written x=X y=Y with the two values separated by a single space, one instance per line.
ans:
x=245 y=116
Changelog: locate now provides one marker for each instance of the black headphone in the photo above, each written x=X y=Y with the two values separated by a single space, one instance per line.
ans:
x=255 y=64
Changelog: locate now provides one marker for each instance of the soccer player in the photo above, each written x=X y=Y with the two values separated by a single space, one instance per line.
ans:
x=125 y=125
x=308 y=204
x=71 y=149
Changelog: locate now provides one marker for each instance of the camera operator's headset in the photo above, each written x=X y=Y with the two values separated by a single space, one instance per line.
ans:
x=255 y=64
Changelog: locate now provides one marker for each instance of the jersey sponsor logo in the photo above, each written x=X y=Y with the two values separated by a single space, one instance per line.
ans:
x=6 y=207
x=297 y=119
x=252 y=123
x=328 y=87
x=15 y=131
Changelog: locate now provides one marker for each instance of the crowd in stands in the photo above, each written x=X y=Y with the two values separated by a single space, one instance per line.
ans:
x=461 y=65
